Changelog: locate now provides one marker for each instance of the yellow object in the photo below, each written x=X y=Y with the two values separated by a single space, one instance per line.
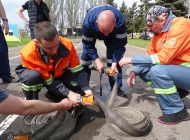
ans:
x=108 y=71
x=88 y=99
x=14 y=33
x=20 y=137
x=137 y=35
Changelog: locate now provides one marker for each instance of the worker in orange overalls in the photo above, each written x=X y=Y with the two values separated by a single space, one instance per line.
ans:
x=51 y=61
x=166 y=66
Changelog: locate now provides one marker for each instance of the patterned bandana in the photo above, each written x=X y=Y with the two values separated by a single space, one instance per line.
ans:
x=155 y=13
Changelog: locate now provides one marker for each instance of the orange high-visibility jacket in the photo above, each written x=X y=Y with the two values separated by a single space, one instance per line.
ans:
x=172 y=46
x=33 y=57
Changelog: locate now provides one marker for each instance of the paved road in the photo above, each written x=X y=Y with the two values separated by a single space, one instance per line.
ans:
x=91 y=125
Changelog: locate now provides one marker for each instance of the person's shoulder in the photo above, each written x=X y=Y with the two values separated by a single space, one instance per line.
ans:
x=29 y=2
x=25 y=4
x=29 y=48
x=66 y=42
x=178 y=21
x=44 y=3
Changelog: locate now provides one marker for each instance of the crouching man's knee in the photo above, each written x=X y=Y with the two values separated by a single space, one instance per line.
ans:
x=28 y=76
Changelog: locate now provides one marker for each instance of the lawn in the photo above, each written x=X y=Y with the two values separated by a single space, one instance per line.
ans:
x=138 y=42
x=134 y=42
x=24 y=41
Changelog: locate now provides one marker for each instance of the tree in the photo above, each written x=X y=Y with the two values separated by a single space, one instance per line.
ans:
x=72 y=8
x=54 y=6
x=123 y=9
x=111 y=2
x=139 y=23
x=91 y=3
x=177 y=7
x=82 y=12
x=139 y=20
x=132 y=15
x=146 y=4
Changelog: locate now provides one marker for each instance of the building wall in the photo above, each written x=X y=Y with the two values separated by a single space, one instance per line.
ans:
x=14 y=33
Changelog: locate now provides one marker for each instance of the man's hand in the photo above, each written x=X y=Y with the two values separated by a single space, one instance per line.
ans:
x=113 y=69
x=99 y=65
x=5 y=27
x=73 y=97
x=125 y=60
x=66 y=104
x=27 y=20
x=131 y=79
x=88 y=92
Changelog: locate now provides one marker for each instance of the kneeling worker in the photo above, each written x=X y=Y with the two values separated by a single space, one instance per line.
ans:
x=51 y=61
x=166 y=66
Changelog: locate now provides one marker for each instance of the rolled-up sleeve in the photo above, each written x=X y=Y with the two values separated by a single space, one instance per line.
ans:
x=3 y=95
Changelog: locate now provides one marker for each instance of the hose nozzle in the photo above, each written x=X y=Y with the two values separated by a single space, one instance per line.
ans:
x=106 y=70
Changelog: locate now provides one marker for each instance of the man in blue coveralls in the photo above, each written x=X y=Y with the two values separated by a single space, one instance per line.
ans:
x=104 y=22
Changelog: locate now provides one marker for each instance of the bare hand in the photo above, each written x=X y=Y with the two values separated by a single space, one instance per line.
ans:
x=5 y=27
x=66 y=104
x=99 y=65
x=113 y=69
x=88 y=92
x=125 y=60
x=73 y=97
x=27 y=20
x=131 y=79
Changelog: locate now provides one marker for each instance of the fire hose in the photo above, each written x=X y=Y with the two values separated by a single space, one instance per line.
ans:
x=123 y=120
x=59 y=125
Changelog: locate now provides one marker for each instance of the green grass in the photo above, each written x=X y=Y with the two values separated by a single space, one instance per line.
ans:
x=134 y=42
x=138 y=42
x=24 y=41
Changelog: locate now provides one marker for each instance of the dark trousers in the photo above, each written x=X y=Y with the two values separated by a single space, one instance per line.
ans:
x=109 y=56
x=4 y=59
x=32 y=82
x=32 y=34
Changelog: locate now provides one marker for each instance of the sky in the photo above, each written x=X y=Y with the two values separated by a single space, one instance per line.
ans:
x=11 y=6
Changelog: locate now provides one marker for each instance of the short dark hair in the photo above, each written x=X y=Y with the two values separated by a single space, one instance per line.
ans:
x=45 y=30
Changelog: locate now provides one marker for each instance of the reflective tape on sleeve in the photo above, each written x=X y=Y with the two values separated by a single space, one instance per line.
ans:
x=87 y=38
x=155 y=59
x=76 y=69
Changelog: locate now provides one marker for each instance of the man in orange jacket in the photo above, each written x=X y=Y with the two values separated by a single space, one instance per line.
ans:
x=51 y=61
x=166 y=67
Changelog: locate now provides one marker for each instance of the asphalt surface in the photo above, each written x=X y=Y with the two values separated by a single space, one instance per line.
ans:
x=91 y=124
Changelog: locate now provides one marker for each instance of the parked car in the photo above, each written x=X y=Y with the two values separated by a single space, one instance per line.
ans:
x=146 y=35
x=60 y=34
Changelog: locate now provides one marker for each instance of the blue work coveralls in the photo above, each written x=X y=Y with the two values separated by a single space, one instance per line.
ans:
x=115 y=42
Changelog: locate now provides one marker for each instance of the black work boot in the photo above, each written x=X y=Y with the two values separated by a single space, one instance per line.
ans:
x=121 y=93
x=172 y=119
x=182 y=93
x=11 y=80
